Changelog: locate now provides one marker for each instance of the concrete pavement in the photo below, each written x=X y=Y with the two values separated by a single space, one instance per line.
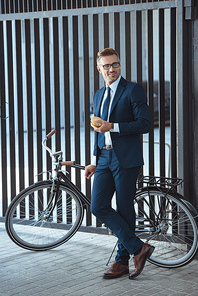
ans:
x=76 y=269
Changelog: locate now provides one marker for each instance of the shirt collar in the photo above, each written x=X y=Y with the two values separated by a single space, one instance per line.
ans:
x=114 y=85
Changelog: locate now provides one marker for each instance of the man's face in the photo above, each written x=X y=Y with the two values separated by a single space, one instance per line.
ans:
x=110 y=75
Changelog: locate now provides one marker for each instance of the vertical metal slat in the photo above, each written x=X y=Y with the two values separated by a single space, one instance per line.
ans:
x=11 y=111
x=20 y=105
x=29 y=102
x=56 y=82
x=38 y=97
x=76 y=97
x=150 y=89
x=47 y=86
x=95 y=50
x=86 y=109
x=3 y=123
x=106 y=29
x=139 y=45
x=66 y=90
x=117 y=31
x=161 y=93
x=128 y=45
x=173 y=117
x=139 y=53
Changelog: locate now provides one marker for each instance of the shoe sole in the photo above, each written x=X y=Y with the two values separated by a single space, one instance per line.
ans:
x=147 y=257
x=109 y=276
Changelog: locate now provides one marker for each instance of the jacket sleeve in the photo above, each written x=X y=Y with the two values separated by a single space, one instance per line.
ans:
x=141 y=115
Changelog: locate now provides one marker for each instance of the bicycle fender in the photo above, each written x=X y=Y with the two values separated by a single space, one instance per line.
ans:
x=190 y=207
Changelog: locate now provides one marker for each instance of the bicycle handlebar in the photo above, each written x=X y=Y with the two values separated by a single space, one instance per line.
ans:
x=73 y=164
x=70 y=162
x=51 y=134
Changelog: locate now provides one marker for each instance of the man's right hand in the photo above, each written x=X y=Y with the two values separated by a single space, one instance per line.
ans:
x=89 y=170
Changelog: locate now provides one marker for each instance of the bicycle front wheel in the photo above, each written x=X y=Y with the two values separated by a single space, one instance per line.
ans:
x=166 y=223
x=35 y=225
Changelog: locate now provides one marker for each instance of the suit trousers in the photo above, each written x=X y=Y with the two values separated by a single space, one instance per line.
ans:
x=110 y=177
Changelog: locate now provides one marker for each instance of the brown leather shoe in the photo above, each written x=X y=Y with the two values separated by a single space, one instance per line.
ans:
x=117 y=269
x=140 y=260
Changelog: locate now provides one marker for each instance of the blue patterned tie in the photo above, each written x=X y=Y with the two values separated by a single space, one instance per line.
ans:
x=101 y=137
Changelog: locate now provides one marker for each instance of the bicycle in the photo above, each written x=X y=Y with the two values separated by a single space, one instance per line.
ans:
x=48 y=213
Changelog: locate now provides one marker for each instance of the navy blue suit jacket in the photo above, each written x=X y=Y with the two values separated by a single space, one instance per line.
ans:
x=130 y=110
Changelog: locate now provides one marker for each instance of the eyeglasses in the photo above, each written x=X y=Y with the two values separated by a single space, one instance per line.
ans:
x=108 y=66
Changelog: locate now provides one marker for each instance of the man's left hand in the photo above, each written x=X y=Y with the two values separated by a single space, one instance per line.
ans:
x=105 y=127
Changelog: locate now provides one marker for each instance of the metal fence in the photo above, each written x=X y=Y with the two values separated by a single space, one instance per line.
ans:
x=48 y=77
x=21 y=6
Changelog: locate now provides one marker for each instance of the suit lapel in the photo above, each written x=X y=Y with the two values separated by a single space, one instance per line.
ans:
x=121 y=87
x=99 y=101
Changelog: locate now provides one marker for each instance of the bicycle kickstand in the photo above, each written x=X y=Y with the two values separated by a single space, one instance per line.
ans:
x=111 y=253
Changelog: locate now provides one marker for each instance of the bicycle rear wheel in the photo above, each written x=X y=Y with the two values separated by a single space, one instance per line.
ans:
x=166 y=223
x=32 y=224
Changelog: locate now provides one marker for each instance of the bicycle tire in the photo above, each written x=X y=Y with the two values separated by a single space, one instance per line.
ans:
x=29 y=223
x=167 y=223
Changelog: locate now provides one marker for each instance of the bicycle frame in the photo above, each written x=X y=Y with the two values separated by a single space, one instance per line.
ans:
x=59 y=175
x=169 y=184
x=68 y=182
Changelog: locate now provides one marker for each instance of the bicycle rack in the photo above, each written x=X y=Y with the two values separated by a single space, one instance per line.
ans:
x=164 y=182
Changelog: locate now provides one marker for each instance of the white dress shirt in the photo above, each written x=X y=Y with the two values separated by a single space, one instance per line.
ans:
x=113 y=88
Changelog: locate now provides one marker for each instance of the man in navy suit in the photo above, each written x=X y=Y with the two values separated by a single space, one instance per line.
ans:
x=124 y=113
